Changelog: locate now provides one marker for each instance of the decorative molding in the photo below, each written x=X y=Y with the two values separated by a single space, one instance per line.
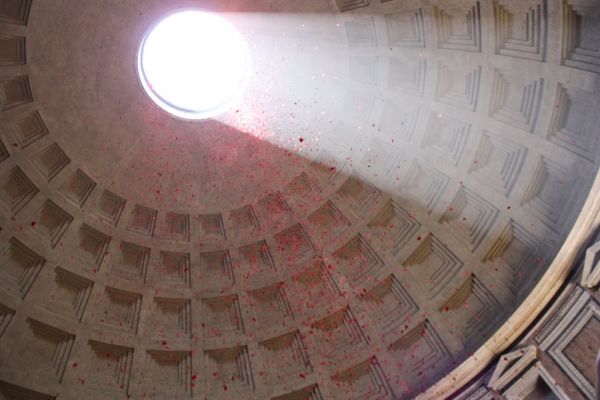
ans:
x=271 y=306
x=407 y=75
x=458 y=28
x=361 y=32
x=456 y=88
x=447 y=137
x=70 y=295
x=77 y=188
x=498 y=162
x=121 y=310
x=358 y=193
x=585 y=311
x=329 y=221
x=131 y=262
x=229 y=367
x=12 y=51
x=20 y=268
x=162 y=366
x=174 y=269
x=14 y=91
x=590 y=276
x=6 y=316
x=363 y=69
x=551 y=188
x=390 y=303
x=349 y=5
x=212 y=226
x=521 y=29
x=91 y=246
x=424 y=184
x=287 y=358
x=535 y=382
x=419 y=353
x=52 y=347
x=178 y=226
x=365 y=380
x=222 y=315
x=50 y=161
x=521 y=256
x=294 y=245
x=110 y=367
x=516 y=100
x=15 y=11
x=51 y=222
x=314 y=285
x=437 y=265
x=256 y=260
x=217 y=268
x=142 y=220
x=579 y=21
x=272 y=207
x=574 y=121
x=471 y=216
x=381 y=160
x=511 y=365
x=339 y=335
x=243 y=220
x=110 y=207
x=475 y=309
x=406 y=28
x=16 y=190
x=394 y=226
x=400 y=122
x=29 y=127
x=302 y=186
x=357 y=259
x=173 y=317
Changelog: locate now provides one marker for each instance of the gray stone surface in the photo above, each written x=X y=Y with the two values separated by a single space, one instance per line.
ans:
x=396 y=178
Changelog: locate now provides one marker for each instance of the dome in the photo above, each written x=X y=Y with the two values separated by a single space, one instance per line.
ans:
x=387 y=200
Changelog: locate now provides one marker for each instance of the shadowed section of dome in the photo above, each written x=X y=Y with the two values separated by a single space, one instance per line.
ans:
x=401 y=205
x=183 y=167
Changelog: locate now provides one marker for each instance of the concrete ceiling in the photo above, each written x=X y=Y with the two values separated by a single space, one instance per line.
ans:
x=395 y=180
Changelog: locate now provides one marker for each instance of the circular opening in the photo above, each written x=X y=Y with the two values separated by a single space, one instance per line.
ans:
x=193 y=64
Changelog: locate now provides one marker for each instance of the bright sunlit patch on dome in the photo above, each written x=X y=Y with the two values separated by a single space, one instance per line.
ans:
x=194 y=64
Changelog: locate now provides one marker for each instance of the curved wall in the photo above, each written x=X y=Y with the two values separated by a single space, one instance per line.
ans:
x=457 y=150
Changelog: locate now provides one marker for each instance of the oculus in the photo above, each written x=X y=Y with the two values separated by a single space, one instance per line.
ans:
x=193 y=64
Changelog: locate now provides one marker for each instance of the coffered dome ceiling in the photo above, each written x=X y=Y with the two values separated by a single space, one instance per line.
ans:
x=394 y=182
